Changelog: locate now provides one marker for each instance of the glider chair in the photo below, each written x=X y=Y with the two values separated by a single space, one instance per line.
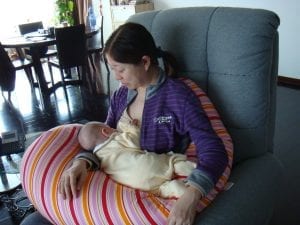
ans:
x=232 y=55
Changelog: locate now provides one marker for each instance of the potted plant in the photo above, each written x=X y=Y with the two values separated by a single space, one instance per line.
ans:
x=65 y=10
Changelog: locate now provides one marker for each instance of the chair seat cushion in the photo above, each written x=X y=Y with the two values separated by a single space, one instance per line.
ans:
x=102 y=201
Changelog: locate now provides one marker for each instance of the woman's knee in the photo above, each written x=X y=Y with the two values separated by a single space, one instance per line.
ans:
x=35 y=219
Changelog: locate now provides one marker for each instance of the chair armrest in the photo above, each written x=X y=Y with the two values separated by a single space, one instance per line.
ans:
x=252 y=198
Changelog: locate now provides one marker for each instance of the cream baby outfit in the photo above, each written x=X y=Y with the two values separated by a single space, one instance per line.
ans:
x=123 y=160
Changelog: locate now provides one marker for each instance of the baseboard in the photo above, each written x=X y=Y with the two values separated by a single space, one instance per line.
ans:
x=294 y=82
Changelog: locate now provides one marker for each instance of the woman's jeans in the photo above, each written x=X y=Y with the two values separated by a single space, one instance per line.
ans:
x=35 y=219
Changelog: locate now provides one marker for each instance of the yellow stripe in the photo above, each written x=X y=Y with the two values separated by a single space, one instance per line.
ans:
x=206 y=107
x=221 y=132
x=121 y=209
x=165 y=212
x=37 y=156
x=205 y=201
x=85 y=200
x=54 y=185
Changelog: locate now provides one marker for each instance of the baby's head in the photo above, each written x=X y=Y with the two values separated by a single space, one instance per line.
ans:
x=93 y=133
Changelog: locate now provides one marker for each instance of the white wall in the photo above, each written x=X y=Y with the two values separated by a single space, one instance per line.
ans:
x=289 y=29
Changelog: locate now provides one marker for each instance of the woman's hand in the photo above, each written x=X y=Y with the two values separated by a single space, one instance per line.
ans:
x=72 y=179
x=184 y=210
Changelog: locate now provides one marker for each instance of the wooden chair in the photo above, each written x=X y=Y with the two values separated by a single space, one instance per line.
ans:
x=26 y=28
x=8 y=70
x=71 y=52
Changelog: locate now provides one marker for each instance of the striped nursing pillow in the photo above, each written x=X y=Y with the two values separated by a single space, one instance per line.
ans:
x=102 y=201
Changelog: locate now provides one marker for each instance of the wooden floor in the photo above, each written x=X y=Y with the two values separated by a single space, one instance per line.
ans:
x=29 y=114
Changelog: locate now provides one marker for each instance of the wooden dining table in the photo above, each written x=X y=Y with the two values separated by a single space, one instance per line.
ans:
x=35 y=42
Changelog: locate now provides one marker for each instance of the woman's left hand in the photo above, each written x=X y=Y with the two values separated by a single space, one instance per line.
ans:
x=184 y=210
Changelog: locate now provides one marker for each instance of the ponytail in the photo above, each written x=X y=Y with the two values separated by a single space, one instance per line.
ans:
x=169 y=61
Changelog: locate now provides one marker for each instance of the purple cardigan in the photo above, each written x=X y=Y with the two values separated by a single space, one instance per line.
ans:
x=172 y=112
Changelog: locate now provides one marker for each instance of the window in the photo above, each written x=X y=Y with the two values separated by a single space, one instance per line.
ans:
x=14 y=12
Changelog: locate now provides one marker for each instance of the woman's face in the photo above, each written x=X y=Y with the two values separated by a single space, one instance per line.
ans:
x=132 y=76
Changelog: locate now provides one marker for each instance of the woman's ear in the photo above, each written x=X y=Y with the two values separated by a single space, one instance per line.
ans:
x=146 y=61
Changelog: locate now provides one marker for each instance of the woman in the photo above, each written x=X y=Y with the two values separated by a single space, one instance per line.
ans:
x=167 y=112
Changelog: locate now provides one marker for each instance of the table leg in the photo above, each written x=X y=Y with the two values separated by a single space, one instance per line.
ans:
x=38 y=68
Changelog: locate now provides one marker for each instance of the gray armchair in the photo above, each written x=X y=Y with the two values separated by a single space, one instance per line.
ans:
x=233 y=54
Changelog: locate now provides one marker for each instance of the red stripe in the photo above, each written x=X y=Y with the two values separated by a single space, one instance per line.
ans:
x=201 y=95
x=143 y=208
x=73 y=212
x=104 y=202
x=48 y=167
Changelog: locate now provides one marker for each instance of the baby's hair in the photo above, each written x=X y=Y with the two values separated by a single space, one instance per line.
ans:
x=82 y=137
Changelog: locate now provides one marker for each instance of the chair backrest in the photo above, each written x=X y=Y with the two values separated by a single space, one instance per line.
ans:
x=7 y=71
x=71 y=46
x=30 y=27
x=232 y=53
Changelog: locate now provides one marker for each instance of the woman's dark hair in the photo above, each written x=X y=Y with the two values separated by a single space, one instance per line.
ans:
x=131 y=41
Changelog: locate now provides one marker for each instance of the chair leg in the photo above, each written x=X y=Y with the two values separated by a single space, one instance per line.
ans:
x=62 y=76
x=68 y=73
x=79 y=71
x=51 y=73
x=29 y=75
x=9 y=96
x=64 y=85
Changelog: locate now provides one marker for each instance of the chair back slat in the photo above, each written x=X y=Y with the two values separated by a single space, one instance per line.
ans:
x=26 y=28
x=71 y=46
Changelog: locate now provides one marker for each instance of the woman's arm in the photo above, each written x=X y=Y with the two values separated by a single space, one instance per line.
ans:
x=212 y=156
x=73 y=178
x=212 y=160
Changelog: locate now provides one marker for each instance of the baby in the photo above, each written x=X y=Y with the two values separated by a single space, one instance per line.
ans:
x=123 y=160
